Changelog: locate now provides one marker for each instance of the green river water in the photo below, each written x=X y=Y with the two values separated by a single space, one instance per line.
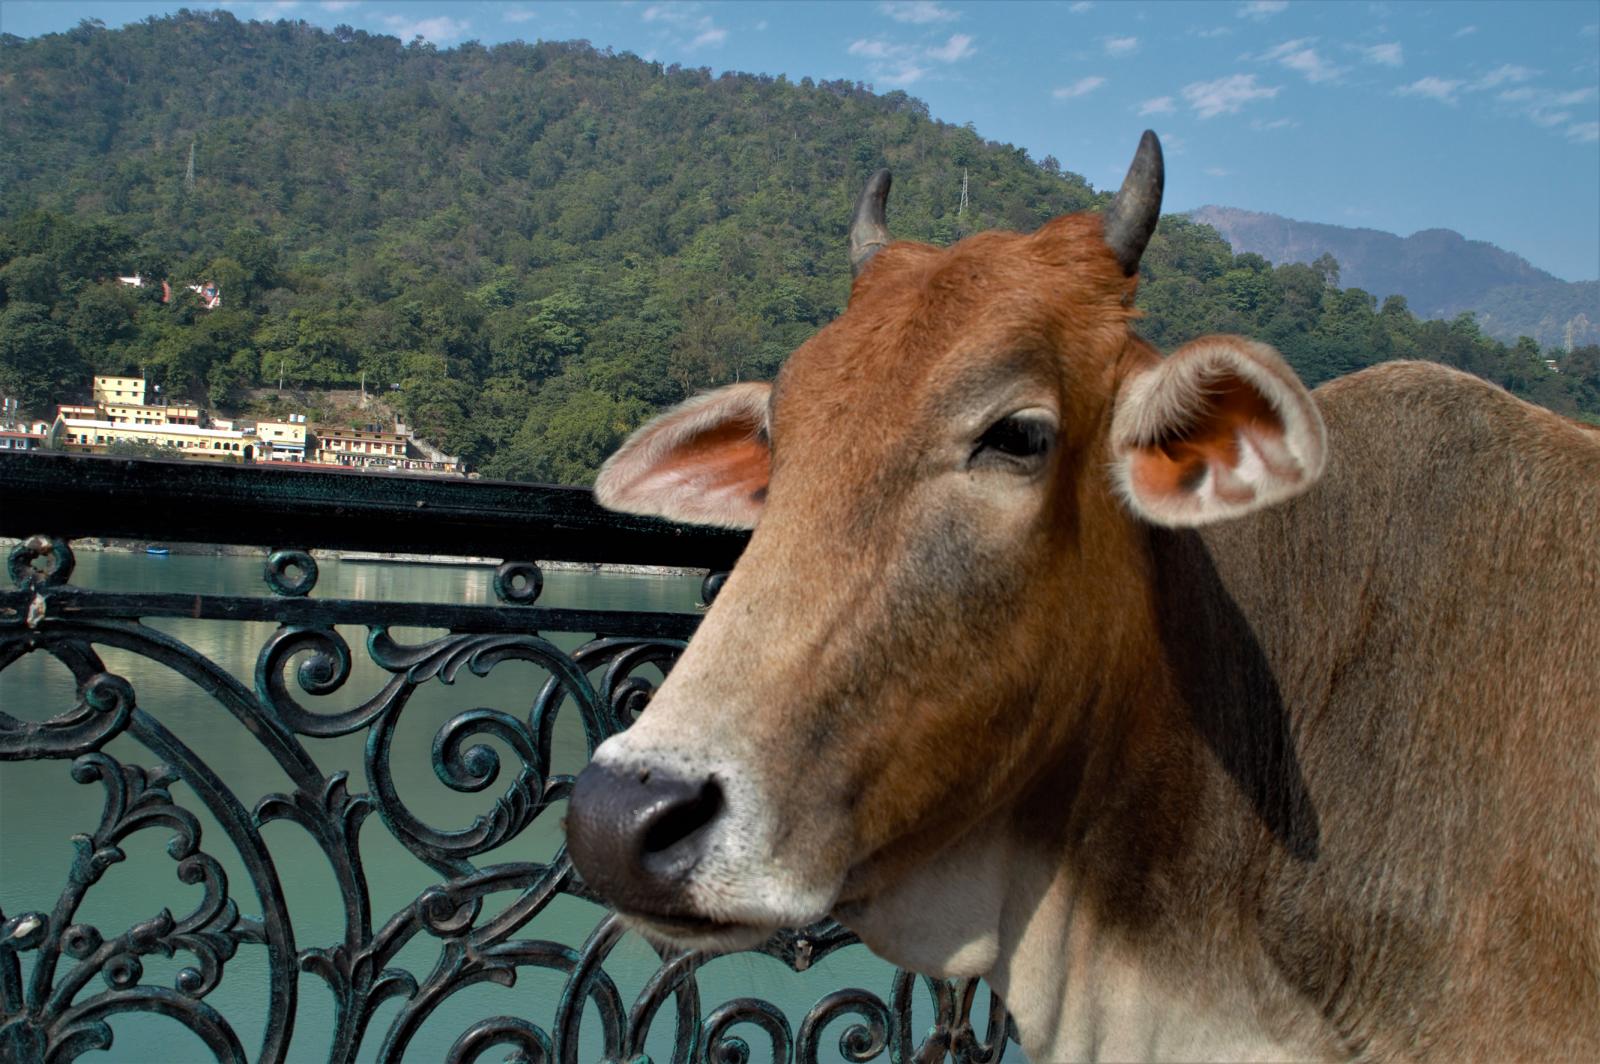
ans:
x=41 y=807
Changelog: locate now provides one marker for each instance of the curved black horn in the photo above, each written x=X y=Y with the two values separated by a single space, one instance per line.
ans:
x=1132 y=216
x=869 y=233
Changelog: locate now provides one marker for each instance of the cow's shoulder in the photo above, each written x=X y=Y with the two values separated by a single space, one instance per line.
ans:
x=1437 y=401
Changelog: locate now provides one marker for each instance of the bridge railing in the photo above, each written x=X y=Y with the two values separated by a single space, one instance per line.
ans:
x=220 y=942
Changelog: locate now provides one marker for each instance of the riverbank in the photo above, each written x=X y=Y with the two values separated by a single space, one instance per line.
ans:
x=230 y=550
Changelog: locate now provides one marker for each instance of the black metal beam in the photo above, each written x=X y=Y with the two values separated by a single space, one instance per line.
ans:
x=257 y=505
x=78 y=604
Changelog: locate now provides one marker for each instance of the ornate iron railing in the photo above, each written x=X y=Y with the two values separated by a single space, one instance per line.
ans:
x=481 y=913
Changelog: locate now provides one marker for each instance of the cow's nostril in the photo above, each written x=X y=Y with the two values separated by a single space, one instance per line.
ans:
x=636 y=835
x=682 y=820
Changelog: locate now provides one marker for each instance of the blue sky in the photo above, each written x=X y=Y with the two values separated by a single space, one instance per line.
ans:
x=1479 y=117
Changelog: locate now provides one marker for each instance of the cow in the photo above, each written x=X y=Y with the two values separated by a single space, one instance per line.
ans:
x=1204 y=716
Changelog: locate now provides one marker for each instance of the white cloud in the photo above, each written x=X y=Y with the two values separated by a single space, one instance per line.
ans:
x=1078 y=7
x=905 y=74
x=684 y=26
x=1315 y=68
x=1502 y=74
x=893 y=63
x=518 y=14
x=871 y=49
x=1259 y=9
x=1081 y=87
x=1159 y=105
x=959 y=46
x=1547 y=108
x=1300 y=57
x=918 y=12
x=1390 y=54
x=1442 y=89
x=1277 y=123
x=761 y=26
x=1278 y=51
x=339 y=5
x=1226 y=96
x=1575 y=97
x=1217 y=171
x=1584 y=132
x=1120 y=46
x=1465 y=31
x=441 y=30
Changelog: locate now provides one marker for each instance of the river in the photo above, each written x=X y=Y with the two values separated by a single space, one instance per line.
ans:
x=41 y=807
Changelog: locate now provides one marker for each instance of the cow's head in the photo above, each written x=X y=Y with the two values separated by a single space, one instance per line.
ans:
x=949 y=487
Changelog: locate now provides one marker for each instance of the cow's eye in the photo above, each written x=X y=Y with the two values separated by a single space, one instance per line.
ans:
x=1017 y=441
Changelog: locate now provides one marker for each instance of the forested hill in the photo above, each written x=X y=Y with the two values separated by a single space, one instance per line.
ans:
x=536 y=245
x=1439 y=271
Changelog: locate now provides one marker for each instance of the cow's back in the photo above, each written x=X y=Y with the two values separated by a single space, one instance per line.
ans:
x=1429 y=616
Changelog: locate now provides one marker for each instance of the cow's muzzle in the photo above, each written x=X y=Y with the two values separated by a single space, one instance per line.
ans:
x=636 y=836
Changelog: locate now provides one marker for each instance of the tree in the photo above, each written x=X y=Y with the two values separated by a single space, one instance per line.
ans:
x=100 y=319
x=1328 y=266
x=137 y=449
x=31 y=279
x=39 y=366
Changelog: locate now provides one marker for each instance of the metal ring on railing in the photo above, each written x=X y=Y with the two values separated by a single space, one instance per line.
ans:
x=277 y=575
x=518 y=583
x=54 y=553
x=711 y=586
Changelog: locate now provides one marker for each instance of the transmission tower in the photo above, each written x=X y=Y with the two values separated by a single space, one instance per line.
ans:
x=961 y=212
x=188 y=177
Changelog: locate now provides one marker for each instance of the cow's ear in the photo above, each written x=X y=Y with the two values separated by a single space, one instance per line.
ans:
x=704 y=462
x=1220 y=428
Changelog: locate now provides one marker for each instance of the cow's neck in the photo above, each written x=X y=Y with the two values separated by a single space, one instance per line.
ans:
x=1094 y=903
x=1033 y=919
x=1080 y=988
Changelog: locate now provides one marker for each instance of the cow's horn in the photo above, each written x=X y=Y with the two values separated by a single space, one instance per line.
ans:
x=1132 y=216
x=869 y=233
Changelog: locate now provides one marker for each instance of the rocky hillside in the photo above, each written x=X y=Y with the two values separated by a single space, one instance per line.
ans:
x=1440 y=272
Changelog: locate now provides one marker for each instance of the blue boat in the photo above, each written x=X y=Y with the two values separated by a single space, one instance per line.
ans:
x=162 y=551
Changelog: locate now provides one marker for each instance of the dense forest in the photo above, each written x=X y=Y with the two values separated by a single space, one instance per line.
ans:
x=531 y=248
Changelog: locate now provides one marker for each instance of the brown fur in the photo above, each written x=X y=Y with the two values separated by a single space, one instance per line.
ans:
x=1342 y=754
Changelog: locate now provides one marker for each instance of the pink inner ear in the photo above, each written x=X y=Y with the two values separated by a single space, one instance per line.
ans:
x=705 y=461
x=1177 y=464
x=725 y=461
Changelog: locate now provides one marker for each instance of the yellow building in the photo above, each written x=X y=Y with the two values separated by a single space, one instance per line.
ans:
x=120 y=390
x=138 y=414
x=95 y=436
x=121 y=400
x=283 y=441
x=360 y=447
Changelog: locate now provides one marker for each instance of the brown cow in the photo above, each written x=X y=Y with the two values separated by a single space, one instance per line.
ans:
x=1203 y=717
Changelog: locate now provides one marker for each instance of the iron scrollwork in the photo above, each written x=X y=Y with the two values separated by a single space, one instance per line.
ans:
x=64 y=982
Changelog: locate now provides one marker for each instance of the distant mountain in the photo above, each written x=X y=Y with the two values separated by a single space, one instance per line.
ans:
x=1440 y=272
